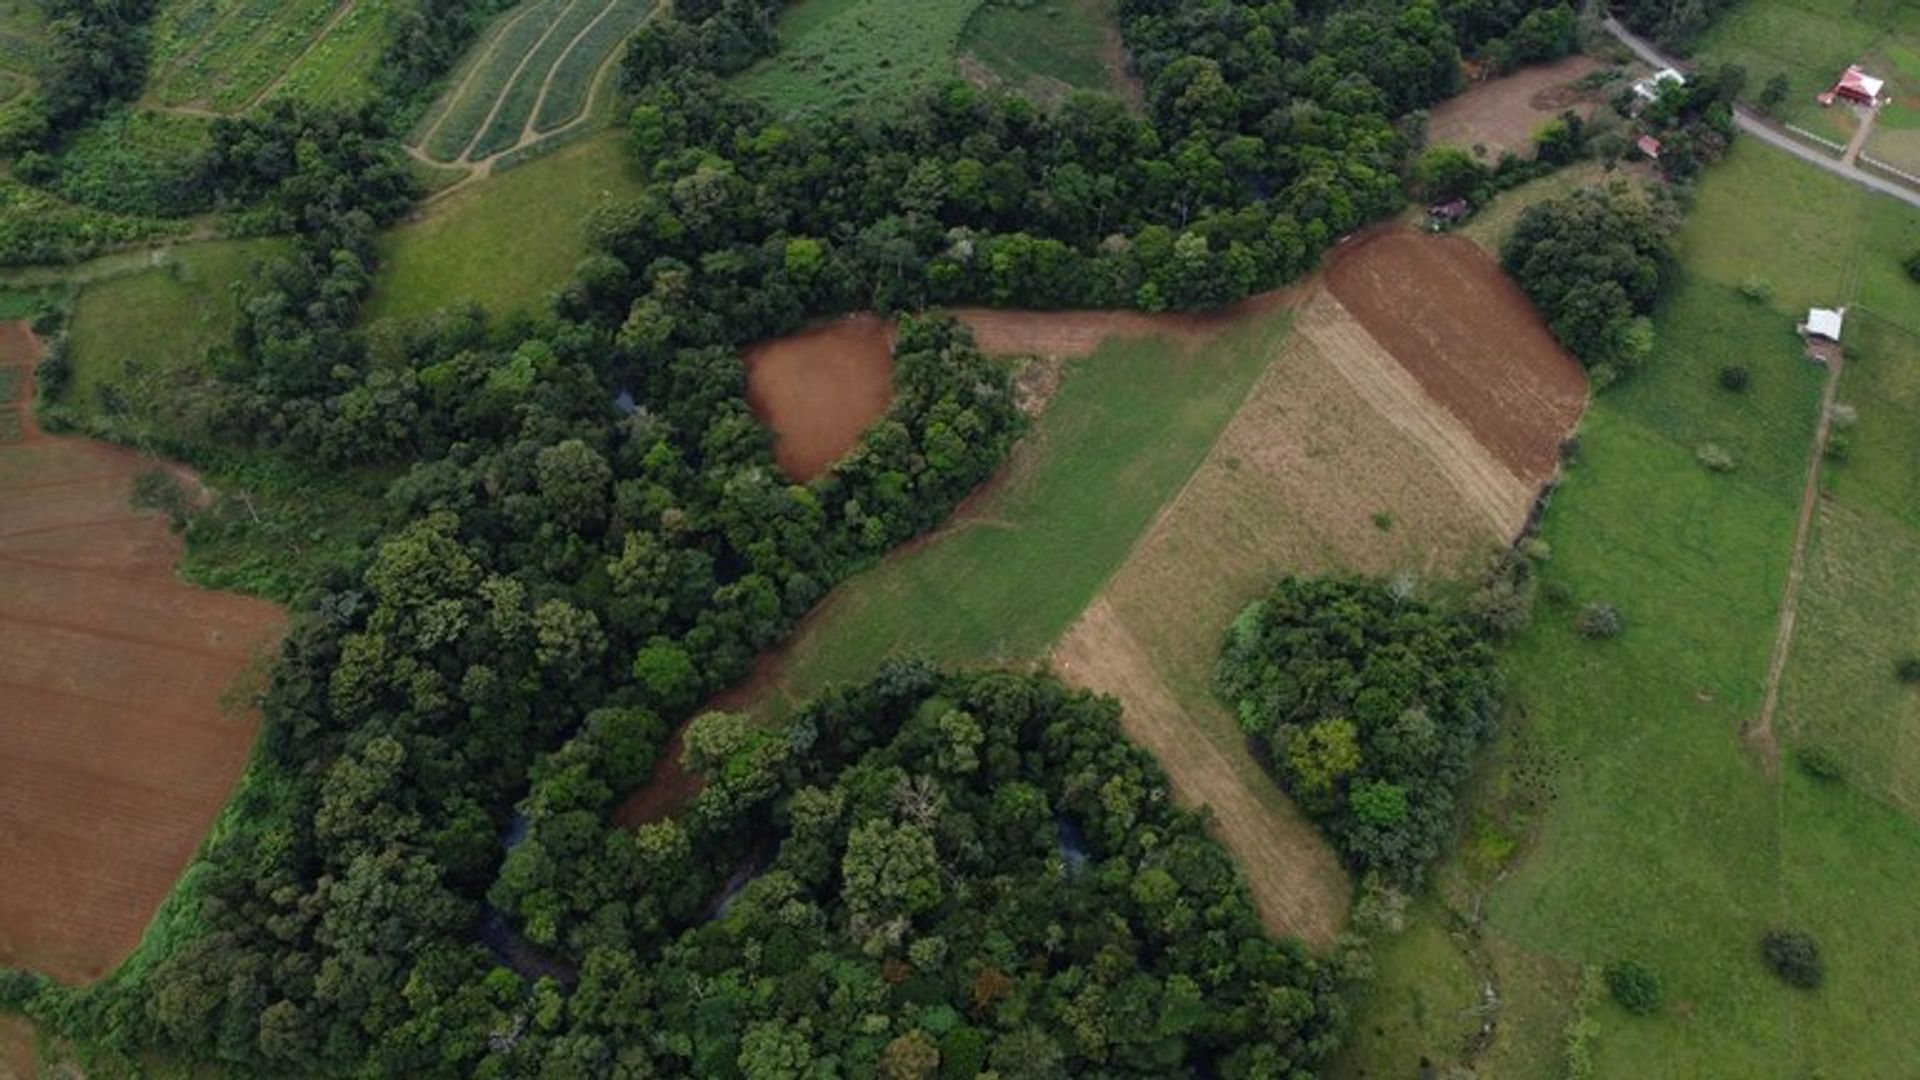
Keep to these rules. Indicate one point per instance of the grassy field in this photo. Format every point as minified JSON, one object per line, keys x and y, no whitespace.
{"x":440,"y":260}
{"x":1050,"y":47}
{"x":1624,"y":815}
{"x":847,"y":55}
{"x":22,"y":46}
{"x":1128,"y":427}
{"x":226,"y":55}
{"x":531,"y":74}
{"x":1811,"y":42}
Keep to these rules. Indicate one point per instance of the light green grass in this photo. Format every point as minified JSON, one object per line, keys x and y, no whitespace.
{"x":505,"y":241}
{"x":851,"y":55}
{"x":1128,"y":427}
{"x":1046,"y":48}
{"x":1809,"y":41}
{"x":1664,"y":838}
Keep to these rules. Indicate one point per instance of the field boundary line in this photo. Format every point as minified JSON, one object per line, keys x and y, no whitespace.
{"x":319,"y":36}
{"x":506,"y":90}
{"x":527,"y":130}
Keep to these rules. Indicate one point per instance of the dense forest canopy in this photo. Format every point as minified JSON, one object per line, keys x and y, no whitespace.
{"x":557,"y":584}
{"x":1369,"y":704}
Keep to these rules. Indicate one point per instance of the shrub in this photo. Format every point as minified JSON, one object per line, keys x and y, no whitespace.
{"x":1735,"y":378}
{"x":1714,"y":456}
{"x":1794,"y":956}
{"x":1599,"y":621}
{"x":1383,"y":520}
{"x":1634,"y":986}
{"x":1907,"y":668}
{"x":1756,"y":290}
{"x":1774,"y":92}
{"x":1821,"y":763}
{"x":1913,"y":266}
{"x":1839,"y":446}
{"x":1843,"y":416}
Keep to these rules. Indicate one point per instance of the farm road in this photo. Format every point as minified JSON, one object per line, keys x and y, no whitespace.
{"x":1761,"y":130}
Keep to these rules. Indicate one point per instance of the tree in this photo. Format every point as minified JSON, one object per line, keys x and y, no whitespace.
{"x":1634,"y":986}
{"x":1775,"y":92}
{"x":1794,"y":956}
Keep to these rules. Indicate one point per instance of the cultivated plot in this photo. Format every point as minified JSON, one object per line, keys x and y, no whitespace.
{"x":226,"y":56}
{"x":125,"y":730}
{"x":533,"y":75}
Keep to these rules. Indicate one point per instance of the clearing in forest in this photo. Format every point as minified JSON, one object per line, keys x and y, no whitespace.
{"x":819,"y":389}
{"x":124,"y":733}
{"x":23,"y":47}
{"x":1502,"y":114}
{"x":534,"y":75}
{"x":1047,"y":49}
{"x":226,"y":56}
{"x":841,"y":56}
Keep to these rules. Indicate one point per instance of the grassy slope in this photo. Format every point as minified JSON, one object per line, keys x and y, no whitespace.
{"x":224,"y":53}
{"x":843,"y":55}
{"x":1046,"y":47}
{"x":1809,"y":41}
{"x":1128,"y":427}
{"x":1664,"y":838}
{"x":505,"y":241}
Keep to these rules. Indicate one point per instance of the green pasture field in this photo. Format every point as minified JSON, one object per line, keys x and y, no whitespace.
{"x":1128,"y":427}
{"x":506,"y":241}
{"x":850,"y":55}
{"x":1622,"y":813}
{"x":1811,"y":42}
{"x":225,"y":55}
{"x":1047,"y":48}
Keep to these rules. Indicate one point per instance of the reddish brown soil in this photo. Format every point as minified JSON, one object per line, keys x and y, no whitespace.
{"x":820,"y":388}
{"x":119,"y":738}
{"x":1467,"y":333}
{"x":1503,"y":114}
{"x":1061,"y":334}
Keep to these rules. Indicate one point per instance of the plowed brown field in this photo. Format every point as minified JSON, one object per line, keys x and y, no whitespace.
{"x":1448,"y":314}
{"x":119,"y":738}
{"x":820,"y":388}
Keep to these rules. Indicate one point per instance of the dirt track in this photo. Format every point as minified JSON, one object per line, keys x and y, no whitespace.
{"x":1445,"y":310}
{"x":117,"y":742}
{"x":817,"y":390}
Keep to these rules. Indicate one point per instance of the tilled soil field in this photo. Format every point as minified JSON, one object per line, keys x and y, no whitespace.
{"x":1502,"y":114}
{"x":819,"y":389}
{"x":1448,"y":314}
{"x":121,"y":732}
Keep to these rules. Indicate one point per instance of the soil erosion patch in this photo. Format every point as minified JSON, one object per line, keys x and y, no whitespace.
{"x":817,"y":390}
{"x":1467,"y":333}
{"x":1502,"y":114}
{"x":120,"y":735}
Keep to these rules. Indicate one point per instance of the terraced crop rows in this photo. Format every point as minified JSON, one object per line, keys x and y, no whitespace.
{"x":225,"y":56}
{"x":532,"y":75}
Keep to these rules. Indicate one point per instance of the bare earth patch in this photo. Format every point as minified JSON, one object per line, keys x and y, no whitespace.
{"x":819,"y":389}
{"x":1502,"y":114}
{"x":119,"y":741}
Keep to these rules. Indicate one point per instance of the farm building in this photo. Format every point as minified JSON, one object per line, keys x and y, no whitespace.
{"x":1824,"y":323}
{"x":1649,"y":146}
{"x":1855,"y":86}
{"x":1648,"y":89}
{"x":1448,"y":212}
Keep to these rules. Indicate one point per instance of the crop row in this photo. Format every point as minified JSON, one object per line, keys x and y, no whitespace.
{"x":475,"y":95}
{"x":516,"y":106}
{"x":573,"y":79}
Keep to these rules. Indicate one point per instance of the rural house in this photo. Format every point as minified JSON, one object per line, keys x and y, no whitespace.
{"x":1822,"y":334}
{"x":1649,"y":146}
{"x":1855,"y":86}
{"x":1648,"y":89}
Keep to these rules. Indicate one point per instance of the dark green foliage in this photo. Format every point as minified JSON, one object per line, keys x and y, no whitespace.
{"x":1774,"y":92}
{"x":1734,"y":377}
{"x":97,"y":54}
{"x":159,"y":489}
{"x":1794,"y":956}
{"x":1671,"y":23}
{"x":1907,"y":668}
{"x":1821,"y":763}
{"x":1368,"y":704}
{"x":425,"y":39}
{"x":1599,"y":621}
{"x":1912,"y":265}
{"x":1634,"y":986}
{"x":1595,"y":262}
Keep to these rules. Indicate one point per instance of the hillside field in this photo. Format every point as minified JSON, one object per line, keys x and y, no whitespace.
{"x":1623,"y":814}
{"x":533,"y":73}
{"x":22,"y":46}
{"x":1048,"y":48}
{"x":225,"y":56}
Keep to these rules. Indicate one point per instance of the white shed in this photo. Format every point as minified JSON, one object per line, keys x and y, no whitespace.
{"x":1825,"y":323}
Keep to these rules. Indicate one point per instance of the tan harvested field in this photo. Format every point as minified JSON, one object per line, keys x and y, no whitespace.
{"x":1502,"y":114}
{"x":820,"y":388}
{"x":121,"y":737}
{"x":1069,"y":334}
{"x":1445,"y":310}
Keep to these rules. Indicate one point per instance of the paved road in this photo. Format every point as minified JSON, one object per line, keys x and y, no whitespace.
{"x":1759,"y":129}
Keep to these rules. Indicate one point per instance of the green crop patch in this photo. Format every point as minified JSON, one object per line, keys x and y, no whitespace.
{"x":1048,"y":48}
{"x":852,"y":55}
{"x":225,"y":56}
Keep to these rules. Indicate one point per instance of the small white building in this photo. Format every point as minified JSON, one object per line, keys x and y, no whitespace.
{"x":1824,"y":324}
{"x":1648,"y":89}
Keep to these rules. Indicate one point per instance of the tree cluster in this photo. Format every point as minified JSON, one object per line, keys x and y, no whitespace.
{"x":1674,"y":24}
{"x":96,"y":54}
{"x":1367,"y":705}
{"x":1595,"y":262}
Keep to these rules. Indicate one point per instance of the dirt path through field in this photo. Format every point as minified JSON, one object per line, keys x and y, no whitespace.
{"x":121,"y":733}
{"x":1761,"y":733}
{"x":1295,"y":879}
{"x":333,"y":22}
{"x":453,"y":94}
{"x":527,"y":131}
{"x":1852,"y":154}
{"x":466,"y":156}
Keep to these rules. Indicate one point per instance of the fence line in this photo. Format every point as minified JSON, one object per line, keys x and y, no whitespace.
{"x":1890,"y":169}
{"x":1838,"y":148}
